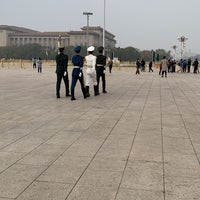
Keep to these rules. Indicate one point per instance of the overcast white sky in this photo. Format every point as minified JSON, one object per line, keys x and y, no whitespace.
{"x":144,"y":24}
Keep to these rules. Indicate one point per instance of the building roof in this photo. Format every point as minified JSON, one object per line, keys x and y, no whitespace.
{"x":17,"y":29}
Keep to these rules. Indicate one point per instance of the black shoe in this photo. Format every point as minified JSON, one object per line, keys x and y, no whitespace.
{"x":73,"y":99}
{"x":58,"y":96}
{"x":68,"y":95}
{"x":104,"y":91}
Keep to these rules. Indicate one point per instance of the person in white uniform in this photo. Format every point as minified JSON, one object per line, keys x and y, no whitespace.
{"x":90,"y":60}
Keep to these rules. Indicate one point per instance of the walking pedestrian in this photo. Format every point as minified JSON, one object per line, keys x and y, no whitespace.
{"x":110,"y":65}
{"x":101,"y":69}
{"x":61,"y":71}
{"x":77,"y":72}
{"x":164,"y":64}
{"x":138,"y":64}
{"x":150,"y":66}
{"x":91,"y":72}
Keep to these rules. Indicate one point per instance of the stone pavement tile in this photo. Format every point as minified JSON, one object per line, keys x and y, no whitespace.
{"x":8,"y":158}
{"x":67,"y":169}
{"x":194,"y":134}
{"x":43,"y":155}
{"x":172,"y":121}
{"x":107,"y":164}
{"x":131,"y":194}
{"x":143,"y":175}
{"x":142,"y":152}
{"x":25,"y":144}
{"x":113,"y":152}
{"x":150,"y":137}
{"x":64,"y":138}
{"x":15,"y":179}
{"x":177,"y":132}
{"x":179,"y":188}
{"x":177,"y":145}
{"x":122,"y":141}
{"x":100,"y":178}
{"x":92,"y":193}
{"x":197,"y":147}
{"x":85,"y":147}
{"x":46,"y":191}
{"x":180,"y":165}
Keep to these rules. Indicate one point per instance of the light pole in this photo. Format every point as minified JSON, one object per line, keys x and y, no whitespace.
{"x":174,"y":47}
{"x":104,"y":23}
{"x":87,"y":14}
{"x":182,"y":39}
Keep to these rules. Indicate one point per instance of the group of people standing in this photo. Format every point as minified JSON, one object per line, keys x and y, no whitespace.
{"x":95,"y":70}
{"x":37,"y":63}
{"x":185,"y":65}
{"x":169,"y":65}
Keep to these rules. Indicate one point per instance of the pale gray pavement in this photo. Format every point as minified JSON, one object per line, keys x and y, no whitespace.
{"x":140,"y":141}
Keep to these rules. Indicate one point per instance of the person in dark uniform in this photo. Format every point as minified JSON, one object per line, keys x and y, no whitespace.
{"x":100,"y":69}
{"x":77,"y":72}
{"x":61,"y":71}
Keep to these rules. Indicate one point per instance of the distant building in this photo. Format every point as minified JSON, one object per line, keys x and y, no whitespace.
{"x":12,"y":35}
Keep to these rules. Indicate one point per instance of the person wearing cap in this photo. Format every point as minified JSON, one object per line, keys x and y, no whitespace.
{"x":77,"y":72}
{"x":91,"y":72}
{"x":100,"y":69}
{"x":61,"y":71}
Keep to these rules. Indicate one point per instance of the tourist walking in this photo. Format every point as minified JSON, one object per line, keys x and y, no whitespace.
{"x":138,"y":65}
{"x":196,"y":64}
{"x":164,"y":63}
{"x":39,"y":65}
{"x":150,"y":66}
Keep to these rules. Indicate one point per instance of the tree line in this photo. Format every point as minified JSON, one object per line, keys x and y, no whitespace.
{"x":30,"y":51}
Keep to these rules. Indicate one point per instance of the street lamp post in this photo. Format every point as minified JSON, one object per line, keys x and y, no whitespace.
{"x":182,"y":39}
{"x":104,"y":23}
{"x":87,"y":14}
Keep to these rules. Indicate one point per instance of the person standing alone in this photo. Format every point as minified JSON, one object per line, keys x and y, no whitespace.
{"x":164,"y":64}
{"x":39,"y":65}
{"x":61,"y":71}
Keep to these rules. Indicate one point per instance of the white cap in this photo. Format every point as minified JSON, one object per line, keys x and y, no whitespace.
{"x":91,"y":48}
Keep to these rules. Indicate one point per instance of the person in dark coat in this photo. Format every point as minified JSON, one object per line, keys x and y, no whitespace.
{"x":150,"y":66}
{"x":61,"y":71}
{"x":77,"y":72}
{"x":100,"y":69}
{"x":195,"y":64}
{"x":138,"y":65}
{"x":189,"y":64}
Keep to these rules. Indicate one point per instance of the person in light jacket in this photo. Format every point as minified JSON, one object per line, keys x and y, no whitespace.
{"x":164,"y":63}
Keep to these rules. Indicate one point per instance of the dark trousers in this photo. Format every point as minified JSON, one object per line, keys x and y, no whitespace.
{"x":137,"y":70}
{"x":103,"y":78}
{"x":34,"y":65}
{"x":188,"y":68}
{"x":40,"y":69}
{"x":58,"y":83}
{"x":164,"y":72}
{"x":110,"y":68}
{"x":75,"y":78}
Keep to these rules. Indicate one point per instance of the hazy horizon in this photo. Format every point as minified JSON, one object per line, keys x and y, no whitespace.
{"x":143,"y":24}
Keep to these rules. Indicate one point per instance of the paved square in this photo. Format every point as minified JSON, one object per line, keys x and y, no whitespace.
{"x":140,"y":141}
